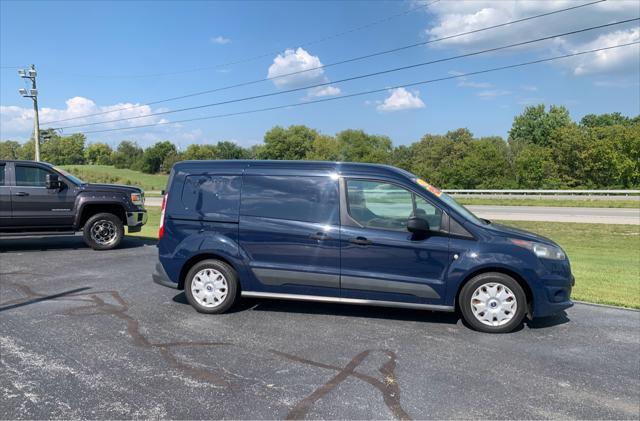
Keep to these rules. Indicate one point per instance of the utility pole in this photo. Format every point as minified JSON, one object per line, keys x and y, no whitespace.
{"x":33,"y":94}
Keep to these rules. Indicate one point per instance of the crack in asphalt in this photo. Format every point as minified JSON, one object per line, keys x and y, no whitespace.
{"x":389,"y":387}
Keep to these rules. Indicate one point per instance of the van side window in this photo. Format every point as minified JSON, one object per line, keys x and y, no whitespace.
{"x":27,"y":176}
{"x":307,"y":199}
{"x":2,"y":174}
{"x":212,"y":196}
{"x":381,"y":205}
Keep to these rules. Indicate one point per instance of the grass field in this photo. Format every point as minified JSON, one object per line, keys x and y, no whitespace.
{"x":605,"y":259}
{"x":108,"y":174}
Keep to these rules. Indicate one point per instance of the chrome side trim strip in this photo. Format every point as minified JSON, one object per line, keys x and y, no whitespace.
{"x":356,"y":301}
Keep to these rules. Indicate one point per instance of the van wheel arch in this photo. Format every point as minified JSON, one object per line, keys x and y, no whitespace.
{"x":519,"y":279}
{"x":198,"y":258}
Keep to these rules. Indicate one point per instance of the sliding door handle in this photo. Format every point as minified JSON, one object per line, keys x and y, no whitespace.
{"x":361,"y":241}
{"x":21,"y":193}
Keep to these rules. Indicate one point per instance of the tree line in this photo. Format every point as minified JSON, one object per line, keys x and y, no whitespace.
{"x":545,"y":149}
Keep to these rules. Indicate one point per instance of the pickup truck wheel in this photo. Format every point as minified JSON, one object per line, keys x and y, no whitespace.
{"x":103,"y":231}
{"x":211,"y":286}
{"x":493,"y":303}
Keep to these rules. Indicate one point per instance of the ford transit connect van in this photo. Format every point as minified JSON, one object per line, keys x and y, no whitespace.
{"x":348,"y":233}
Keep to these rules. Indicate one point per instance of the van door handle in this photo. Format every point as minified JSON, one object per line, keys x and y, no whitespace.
{"x":361,"y":241}
{"x":321,"y":236}
{"x":21,"y":193}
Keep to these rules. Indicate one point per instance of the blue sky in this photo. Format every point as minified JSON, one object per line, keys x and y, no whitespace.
{"x":97,"y":56}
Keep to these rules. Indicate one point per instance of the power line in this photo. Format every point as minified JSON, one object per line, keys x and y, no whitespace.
{"x":350,"y":60}
{"x":267,"y":54}
{"x":407,"y":85}
{"x":317,"y":85}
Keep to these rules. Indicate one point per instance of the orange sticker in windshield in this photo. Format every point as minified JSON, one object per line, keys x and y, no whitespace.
{"x":429,"y":187}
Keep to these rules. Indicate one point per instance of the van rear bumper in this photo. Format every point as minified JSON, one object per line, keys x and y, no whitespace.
{"x":160,"y":277}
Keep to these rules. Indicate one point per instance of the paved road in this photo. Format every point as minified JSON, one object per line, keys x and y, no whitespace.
{"x":86,"y":334}
{"x":559,"y":214}
{"x":538,"y":213}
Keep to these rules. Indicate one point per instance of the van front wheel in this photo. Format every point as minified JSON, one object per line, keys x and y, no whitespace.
{"x":493,"y":303}
{"x":211,"y":286}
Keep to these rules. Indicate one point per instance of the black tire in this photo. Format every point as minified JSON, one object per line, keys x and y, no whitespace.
{"x":467,"y":310}
{"x":230,"y":277}
{"x":114,"y":225}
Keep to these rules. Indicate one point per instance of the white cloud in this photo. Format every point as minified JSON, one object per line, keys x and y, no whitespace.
{"x":17,"y":122}
{"x":454,"y":17}
{"x":322,"y":91}
{"x":299,"y":60}
{"x":493,"y":93}
{"x":220,"y":40}
{"x":292,"y":61}
{"x":608,"y":61}
{"x":401,"y":99}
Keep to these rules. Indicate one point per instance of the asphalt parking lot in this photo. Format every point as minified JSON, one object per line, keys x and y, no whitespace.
{"x":86,"y":334}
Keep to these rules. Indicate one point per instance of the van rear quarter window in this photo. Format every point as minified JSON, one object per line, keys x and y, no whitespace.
{"x":212,"y":196}
{"x":307,"y":199}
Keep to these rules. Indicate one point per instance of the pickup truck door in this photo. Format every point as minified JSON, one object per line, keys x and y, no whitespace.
{"x":5,"y":196}
{"x":35,"y":206}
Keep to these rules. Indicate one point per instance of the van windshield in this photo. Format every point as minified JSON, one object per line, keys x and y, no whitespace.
{"x":466,"y":213}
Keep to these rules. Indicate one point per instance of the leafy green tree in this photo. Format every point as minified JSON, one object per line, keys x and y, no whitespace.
{"x":128,"y":155}
{"x":536,"y":125}
{"x":604,"y":120}
{"x":358,"y":146}
{"x":9,"y":149}
{"x":324,"y":148}
{"x":64,"y":150}
{"x":230,"y":150}
{"x":402,"y":157}
{"x":485,"y":165}
{"x":536,"y":168}
{"x":170,"y":160}
{"x":98,"y":154}
{"x":200,"y":152}
{"x":292,"y":143}
{"x":154,"y":156}
{"x":436,"y":158}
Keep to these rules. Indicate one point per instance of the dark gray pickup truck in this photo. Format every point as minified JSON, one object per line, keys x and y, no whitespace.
{"x":37,"y":198}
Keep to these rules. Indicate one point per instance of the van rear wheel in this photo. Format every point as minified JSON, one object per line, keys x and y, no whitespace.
{"x":211,"y":286}
{"x":493,"y":302}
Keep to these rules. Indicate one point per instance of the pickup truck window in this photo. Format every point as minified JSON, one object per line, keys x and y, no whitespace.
{"x":27,"y":176}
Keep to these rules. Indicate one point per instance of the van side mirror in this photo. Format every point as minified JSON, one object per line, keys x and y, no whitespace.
{"x":417,"y":225}
{"x":53,"y":182}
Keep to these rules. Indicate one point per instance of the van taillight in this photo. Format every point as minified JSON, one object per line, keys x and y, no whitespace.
{"x":164,"y":207}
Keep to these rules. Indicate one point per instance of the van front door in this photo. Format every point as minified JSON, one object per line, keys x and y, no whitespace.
{"x":380,"y":258}
{"x":289,"y":230}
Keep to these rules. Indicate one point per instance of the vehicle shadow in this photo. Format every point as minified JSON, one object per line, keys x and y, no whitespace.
{"x":336,"y":309}
{"x":387,"y":313}
{"x":72,"y":242}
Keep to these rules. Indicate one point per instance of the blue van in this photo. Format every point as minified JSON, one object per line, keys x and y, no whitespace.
{"x":348,"y":233}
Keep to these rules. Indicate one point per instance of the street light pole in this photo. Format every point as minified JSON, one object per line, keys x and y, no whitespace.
{"x":33,"y":94}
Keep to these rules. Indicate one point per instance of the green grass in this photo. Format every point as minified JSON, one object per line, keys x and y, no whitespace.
{"x":109,"y":174}
{"x":605,"y":259}
{"x":581,"y":203}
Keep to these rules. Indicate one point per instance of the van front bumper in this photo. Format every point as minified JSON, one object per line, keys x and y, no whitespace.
{"x":554,"y":296}
{"x":160,"y":277}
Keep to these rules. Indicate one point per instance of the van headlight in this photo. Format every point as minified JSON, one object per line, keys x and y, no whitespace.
{"x":543,"y":251}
